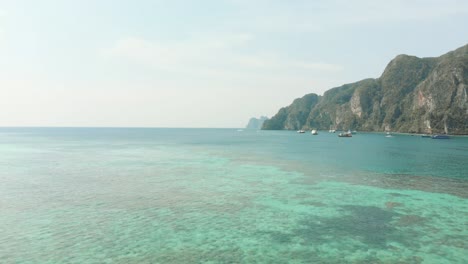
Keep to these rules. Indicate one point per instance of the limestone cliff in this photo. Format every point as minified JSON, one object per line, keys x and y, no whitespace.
{"x":256,"y":123}
{"x":416,"y":95}
{"x":294,"y":116}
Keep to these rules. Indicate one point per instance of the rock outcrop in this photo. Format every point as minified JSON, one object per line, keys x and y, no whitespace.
{"x":294,"y":116}
{"x":415,"y":95}
{"x":256,"y":123}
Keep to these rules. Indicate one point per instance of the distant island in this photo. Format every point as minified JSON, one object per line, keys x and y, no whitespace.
{"x":413,"y":95}
{"x":256,"y":123}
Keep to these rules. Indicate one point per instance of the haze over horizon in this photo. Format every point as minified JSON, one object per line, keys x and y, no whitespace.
{"x":201,"y":63}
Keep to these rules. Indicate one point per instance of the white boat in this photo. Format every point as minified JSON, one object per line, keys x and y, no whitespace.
{"x":314,"y":132}
{"x":301,"y":131}
{"x":389,"y":135}
{"x":345,"y":134}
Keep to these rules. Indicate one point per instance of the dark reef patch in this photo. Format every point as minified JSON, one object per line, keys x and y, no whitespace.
{"x":370,"y":225}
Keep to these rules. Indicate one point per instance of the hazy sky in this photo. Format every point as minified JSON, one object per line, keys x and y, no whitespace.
{"x":201,"y":63}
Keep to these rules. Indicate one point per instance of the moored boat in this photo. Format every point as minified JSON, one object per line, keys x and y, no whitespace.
{"x":301,"y":131}
{"x":314,"y":132}
{"x":345,"y":134}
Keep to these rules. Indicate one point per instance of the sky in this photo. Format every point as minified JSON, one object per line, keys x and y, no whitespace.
{"x":201,"y":63}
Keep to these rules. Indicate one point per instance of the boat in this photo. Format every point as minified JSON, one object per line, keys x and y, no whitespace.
{"x":345,"y":134}
{"x":389,"y":135}
{"x":301,"y":131}
{"x":314,"y":132}
{"x":440,"y":137}
{"x":331,"y":130}
{"x":425,"y":136}
{"x":354,"y":132}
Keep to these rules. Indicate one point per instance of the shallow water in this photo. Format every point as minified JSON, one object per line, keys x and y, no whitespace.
{"x":87,"y":195}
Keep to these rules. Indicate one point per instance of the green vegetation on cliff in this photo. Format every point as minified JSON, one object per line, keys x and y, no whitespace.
{"x":293,"y":116}
{"x":415,"y":95}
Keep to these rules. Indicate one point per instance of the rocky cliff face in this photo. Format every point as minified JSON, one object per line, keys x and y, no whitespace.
{"x":294,"y":116}
{"x":256,"y":123}
{"x":415,"y":95}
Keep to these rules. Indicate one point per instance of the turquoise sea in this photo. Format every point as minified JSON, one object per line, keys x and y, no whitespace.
{"x":121,"y":195}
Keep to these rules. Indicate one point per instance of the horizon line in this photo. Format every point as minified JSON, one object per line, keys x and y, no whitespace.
{"x":138,"y":127}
